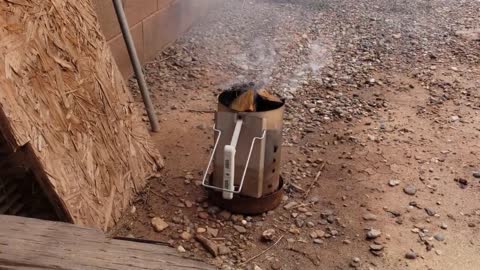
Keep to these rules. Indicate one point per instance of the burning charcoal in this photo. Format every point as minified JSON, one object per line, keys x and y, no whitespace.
{"x":248,"y":98}
{"x":262,"y":93}
{"x":245,"y":102}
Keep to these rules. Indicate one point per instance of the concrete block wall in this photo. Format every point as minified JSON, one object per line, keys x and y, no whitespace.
{"x":153,"y":24}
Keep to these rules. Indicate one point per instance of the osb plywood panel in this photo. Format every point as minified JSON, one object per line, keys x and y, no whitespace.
{"x":62,"y":94}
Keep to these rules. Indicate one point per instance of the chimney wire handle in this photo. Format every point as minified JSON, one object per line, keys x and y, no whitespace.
{"x":205,"y":174}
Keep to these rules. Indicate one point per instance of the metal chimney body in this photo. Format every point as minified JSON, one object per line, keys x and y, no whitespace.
{"x":254,"y":162}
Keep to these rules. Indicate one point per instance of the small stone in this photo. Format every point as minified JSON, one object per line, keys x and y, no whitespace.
{"x":438,"y":252}
{"x":439,"y":237}
{"x":268,"y":234}
{"x":313,"y":235}
{"x":394,"y":182}
{"x":463,"y":182}
{"x":225,"y":215}
{"x":326,"y":213}
{"x":314,"y":199}
{"x":471,"y":224}
{"x":181,"y":249}
{"x":201,"y":230}
{"x":320,"y":233}
{"x":476,"y":174}
{"x":347,"y":242}
{"x":310,"y":224}
{"x":240,"y":229}
{"x":256,"y":267}
{"x":331,"y":219}
{"x":299,"y":222}
{"x":202,"y":126}
{"x":430,"y":212}
{"x":223,"y":250}
{"x":159,"y":224}
{"x":290,"y":205}
{"x":203,"y":215}
{"x":323,"y":222}
{"x":373,"y":234}
{"x":444,"y":226}
{"x":188,"y":203}
{"x":369,"y":217}
{"x":410,"y":190}
{"x":375,"y":247}
{"x":411,"y":255}
{"x":212,"y":232}
{"x":186,"y":236}
{"x":318,"y":241}
{"x":355,"y":263}
{"x":294,"y":230}
{"x":302,"y":210}
{"x":276,"y":266}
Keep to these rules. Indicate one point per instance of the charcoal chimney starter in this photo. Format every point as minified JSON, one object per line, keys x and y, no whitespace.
{"x":246,"y":155}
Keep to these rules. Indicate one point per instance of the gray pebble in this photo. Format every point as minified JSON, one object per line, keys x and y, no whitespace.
{"x":410,"y":190}
{"x":373,"y":233}
{"x":430,"y":211}
{"x":411,"y":255}
{"x":439,"y":237}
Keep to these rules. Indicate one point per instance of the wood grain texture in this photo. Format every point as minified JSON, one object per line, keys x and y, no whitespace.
{"x":34,"y":244}
{"x":63,"y":95}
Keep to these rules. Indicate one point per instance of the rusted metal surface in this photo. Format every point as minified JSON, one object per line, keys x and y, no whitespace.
{"x":249,"y":205}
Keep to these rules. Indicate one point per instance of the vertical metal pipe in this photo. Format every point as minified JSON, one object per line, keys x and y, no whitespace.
{"x":137,"y":68}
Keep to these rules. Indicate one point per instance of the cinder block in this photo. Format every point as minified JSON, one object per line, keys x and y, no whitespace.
{"x":107,"y":18}
{"x":160,"y":29}
{"x":120,"y":52}
{"x":164,"y":4}
{"x":137,"y":10}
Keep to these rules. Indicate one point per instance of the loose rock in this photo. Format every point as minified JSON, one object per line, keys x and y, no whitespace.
{"x":268,"y":235}
{"x":373,"y":234}
{"x":369,"y":217}
{"x":159,"y":224}
{"x":410,"y":190}
{"x":411,"y":255}
{"x":186,"y":236}
{"x":240,"y":229}
{"x":394,"y":182}
{"x":290,"y":205}
{"x":439,"y":237}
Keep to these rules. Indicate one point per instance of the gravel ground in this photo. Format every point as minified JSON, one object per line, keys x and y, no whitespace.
{"x":384,"y":93}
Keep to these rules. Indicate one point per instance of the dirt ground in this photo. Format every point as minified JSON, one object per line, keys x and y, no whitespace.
{"x":384,"y":93}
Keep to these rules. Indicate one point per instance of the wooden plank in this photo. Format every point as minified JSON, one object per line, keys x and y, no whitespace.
{"x":36,"y":244}
{"x":63,"y":99}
